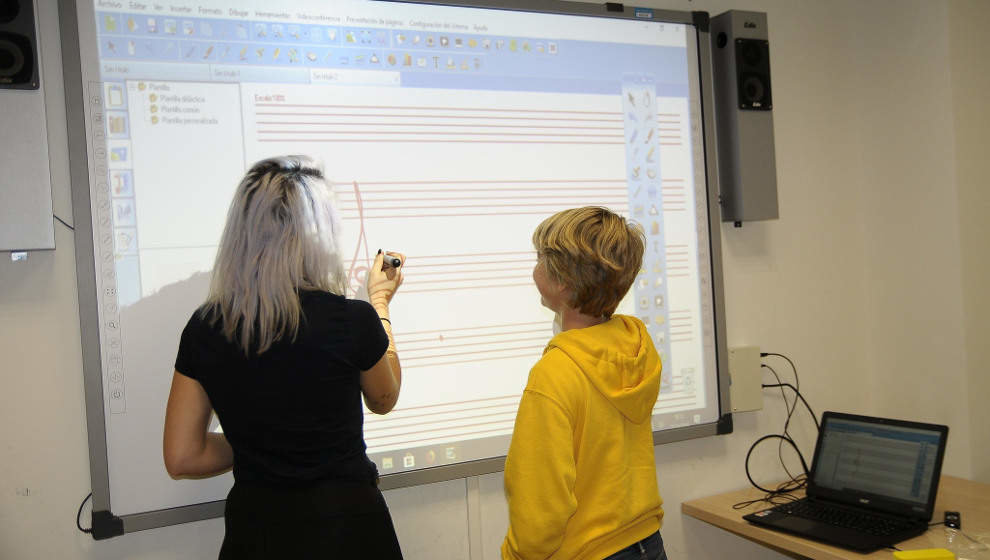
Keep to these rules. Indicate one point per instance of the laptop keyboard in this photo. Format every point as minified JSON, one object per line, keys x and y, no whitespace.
{"x":860,"y":521}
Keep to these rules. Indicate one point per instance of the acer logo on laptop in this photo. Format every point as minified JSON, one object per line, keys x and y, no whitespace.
{"x":864,"y":500}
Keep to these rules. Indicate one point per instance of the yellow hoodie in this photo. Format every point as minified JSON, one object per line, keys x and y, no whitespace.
{"x":580,"y":477}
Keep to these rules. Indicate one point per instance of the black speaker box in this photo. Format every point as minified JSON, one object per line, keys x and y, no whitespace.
{"x":18,"y":45}
{"x":744,"y":116}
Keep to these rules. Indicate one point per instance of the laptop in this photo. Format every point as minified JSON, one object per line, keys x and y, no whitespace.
{"x":872,"y":483}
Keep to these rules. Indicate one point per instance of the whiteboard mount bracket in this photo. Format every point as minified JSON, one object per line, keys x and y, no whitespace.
{"x":106,"y":525}
{"x":724,"y":425}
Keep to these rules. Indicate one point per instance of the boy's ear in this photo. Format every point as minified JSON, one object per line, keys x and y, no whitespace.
{"x":564,"y":293}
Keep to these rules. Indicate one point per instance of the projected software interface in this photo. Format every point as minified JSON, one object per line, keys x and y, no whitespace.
{"x":449,"y":134}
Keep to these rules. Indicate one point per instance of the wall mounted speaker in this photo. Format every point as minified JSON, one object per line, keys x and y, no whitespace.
{"x":744,"y":116}
{"x":18,"y":45}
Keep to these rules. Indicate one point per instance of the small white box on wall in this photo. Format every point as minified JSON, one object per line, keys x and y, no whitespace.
{"x":746,"y":390}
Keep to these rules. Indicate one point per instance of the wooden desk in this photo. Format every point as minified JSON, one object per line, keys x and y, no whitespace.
{"x":970,"y":499}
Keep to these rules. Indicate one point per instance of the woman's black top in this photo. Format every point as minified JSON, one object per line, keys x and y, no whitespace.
{"x":293,"y":414}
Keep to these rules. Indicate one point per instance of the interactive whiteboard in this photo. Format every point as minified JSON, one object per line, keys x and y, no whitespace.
{"x":449,"y":133}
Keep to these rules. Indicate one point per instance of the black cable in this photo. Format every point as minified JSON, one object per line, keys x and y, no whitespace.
{"x":779,"y":494}
{"x":63,"y":222}
{"x":79,"y":514}
{"x":790,"y":411}
{"x":797,"y":381}
{"x":774,"y":436}
{"x":806,"y":405}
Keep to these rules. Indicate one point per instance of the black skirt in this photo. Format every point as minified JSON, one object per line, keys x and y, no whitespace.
{"x":328,"y":520}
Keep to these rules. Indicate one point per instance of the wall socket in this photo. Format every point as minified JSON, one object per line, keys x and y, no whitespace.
{"x":745,"y":372}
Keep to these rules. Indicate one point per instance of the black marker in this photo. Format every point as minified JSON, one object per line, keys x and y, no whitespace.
{"x":394,"y":262}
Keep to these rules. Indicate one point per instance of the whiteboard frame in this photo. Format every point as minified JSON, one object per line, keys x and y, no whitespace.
{"x":104,"y":523}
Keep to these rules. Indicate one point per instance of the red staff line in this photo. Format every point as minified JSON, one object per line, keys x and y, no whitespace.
{"x":441,"y":108}
{"x":438,"y":439}
{"x":473,"y":181}
{"x":452,"y":288}
{"x":458,"y":402}
{"x":469,"y":270}
{"x":495,"y":253}
{"x":455,"y":206}
{"x":474,"y":279}
{"x":383,"y":205}
{"x":513,"y":349}
{"x":497,"y":189}
{"x":382,"y":140}
{"x":455,"y":337}
{"x":390,"y":418}
{"x":412,"y":265}
{"x":472,"y":117}
{"x":431,"y":270}
{"x":459,"y":215}
{"x":490,"y":197}
{"x":406,"y":349}
{"x":471,"y":125}
{"x":479,"y":328}
{"x":439,"y":132}
{"x":377,"y":430}
{"x":485,"y":201}
{"x":468,"y":361}
{"x":434,"y":430}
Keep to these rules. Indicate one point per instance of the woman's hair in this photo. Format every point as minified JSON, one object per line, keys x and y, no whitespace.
{"x":593,"y":252}
{"x":281,"y":236}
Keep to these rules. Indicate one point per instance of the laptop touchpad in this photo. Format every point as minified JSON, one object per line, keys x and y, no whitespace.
{"x":796,"y":523}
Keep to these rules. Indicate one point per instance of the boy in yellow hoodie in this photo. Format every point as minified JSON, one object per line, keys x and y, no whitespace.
{"x":579,"y":477}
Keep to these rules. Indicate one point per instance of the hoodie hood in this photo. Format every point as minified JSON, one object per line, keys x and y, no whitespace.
{"x":620,"y":361}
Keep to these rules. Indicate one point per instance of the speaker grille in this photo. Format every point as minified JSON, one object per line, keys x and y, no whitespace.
{"x":18,"y":51}
{"x":753,"y":74}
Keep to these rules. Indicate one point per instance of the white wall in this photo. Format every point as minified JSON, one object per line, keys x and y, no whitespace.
{"x":872,"y":281}
{"x":968,"y":24}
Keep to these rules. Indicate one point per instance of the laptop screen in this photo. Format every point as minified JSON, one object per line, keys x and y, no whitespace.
{"x":879,"y":460}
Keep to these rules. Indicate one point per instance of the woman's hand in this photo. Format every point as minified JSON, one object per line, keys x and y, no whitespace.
{"x":384,"y":281}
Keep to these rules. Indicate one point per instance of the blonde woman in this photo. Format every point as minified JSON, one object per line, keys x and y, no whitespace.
{"x":579,"y":476}
{"x":283,"y":357}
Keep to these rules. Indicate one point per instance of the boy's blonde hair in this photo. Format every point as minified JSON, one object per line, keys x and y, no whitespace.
{"x":593,"y":252}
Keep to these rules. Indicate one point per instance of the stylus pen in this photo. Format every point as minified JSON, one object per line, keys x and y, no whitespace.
{"x":390,"y":261}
